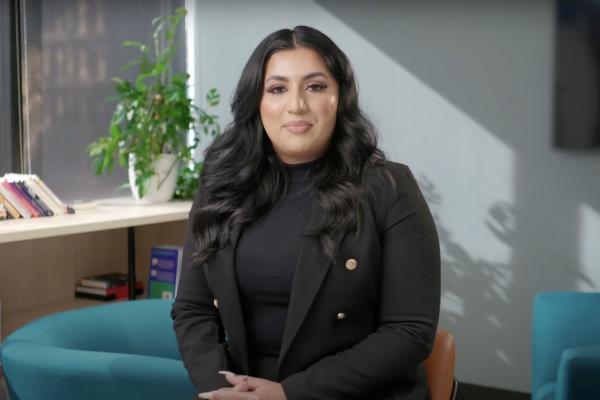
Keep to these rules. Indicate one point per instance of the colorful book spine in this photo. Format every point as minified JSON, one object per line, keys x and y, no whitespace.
{"x":34,"y":195}
{"x":31,"y":199}
{"x":50,"y":193}
{"x":36,"y":199}
{"x":13,"y":199}
{"x":47,"y":199}
{"x":12,"y":211}
{"x":23,"y":198}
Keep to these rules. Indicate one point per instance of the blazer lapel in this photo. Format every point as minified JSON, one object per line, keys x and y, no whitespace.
{"x":226,"y":289}
{"x":311,"y":268}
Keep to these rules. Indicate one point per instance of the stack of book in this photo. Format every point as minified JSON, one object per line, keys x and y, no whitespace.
{"x":109,"y":286}
{"x":27,"y":196}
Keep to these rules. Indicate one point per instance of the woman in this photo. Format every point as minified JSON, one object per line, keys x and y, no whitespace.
{"x":311,"y":263}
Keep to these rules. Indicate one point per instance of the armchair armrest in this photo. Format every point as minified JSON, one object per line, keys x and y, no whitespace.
{"x":578,"y":373}
{"x":37,"y":371}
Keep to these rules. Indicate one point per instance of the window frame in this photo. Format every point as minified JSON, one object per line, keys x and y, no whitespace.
{"x":15,"y":113}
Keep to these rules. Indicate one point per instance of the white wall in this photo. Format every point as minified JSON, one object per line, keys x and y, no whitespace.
{"x":461,"y":91}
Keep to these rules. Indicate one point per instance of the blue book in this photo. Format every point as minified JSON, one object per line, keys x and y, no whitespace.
{"x":165,"y":267}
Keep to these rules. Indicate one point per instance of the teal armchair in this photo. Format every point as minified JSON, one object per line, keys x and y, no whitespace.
{"x":566,"y":346}
{"x":124,"y":350}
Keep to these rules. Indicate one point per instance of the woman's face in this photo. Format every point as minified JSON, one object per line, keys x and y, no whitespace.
{"x":299,"y":104}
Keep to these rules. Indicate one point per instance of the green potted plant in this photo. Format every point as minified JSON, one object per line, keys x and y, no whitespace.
{"x":149,"y":128}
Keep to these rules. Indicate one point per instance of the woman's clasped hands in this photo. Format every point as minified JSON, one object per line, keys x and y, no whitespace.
{"x":246,"y":388}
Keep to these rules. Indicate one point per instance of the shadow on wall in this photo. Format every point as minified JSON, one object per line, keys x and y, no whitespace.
{"x":477,"y":294}
{"x":493,"y":62}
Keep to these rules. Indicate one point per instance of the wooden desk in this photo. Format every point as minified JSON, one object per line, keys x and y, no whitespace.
{"x":99,"y":229}
{"x":109,"y":214}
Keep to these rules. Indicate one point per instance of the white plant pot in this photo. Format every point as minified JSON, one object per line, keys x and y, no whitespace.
{"x":161,"y":186}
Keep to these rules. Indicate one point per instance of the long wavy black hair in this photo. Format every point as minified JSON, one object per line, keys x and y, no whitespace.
{"x":243,"y":177}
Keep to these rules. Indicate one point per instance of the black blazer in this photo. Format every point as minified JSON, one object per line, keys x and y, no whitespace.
{"x":356,"y":328}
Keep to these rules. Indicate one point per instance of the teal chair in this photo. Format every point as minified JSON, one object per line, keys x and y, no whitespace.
{"x":124,"y":350}
{"x":566,"y":346}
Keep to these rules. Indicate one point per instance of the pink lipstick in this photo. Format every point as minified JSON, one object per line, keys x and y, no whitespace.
{"x":298,"y":126}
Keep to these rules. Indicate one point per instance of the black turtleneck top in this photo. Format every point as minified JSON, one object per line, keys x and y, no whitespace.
{"x":265,"y":261}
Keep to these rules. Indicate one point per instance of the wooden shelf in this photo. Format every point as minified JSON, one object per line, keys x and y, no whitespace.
{"x":109,"y":214}
{"x":36,"y":276}
{"x":12,"y":321}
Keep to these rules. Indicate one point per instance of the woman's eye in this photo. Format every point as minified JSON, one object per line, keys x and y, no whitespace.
{"x":276,"y":89}
{"x":317,"y":87}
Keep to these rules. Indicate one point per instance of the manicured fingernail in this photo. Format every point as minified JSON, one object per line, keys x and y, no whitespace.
{"x":228,"y":373}
{"x":205,"y":395}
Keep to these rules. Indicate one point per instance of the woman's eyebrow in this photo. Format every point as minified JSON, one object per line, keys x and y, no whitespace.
{"x":313,"y":75}
{"x":304,"y":78}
